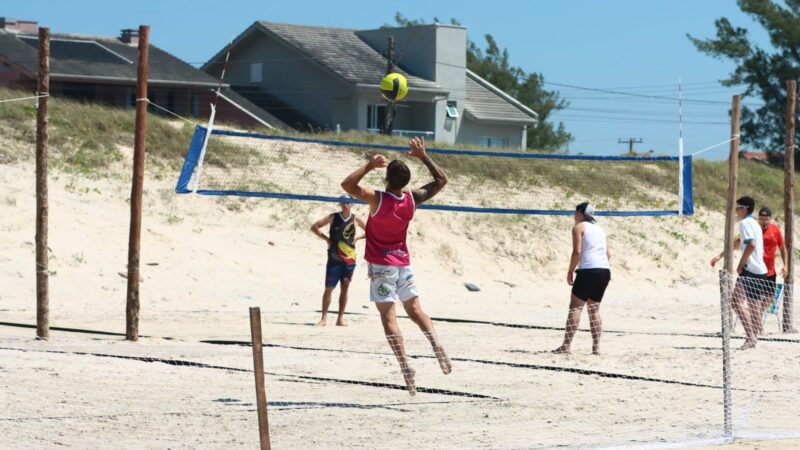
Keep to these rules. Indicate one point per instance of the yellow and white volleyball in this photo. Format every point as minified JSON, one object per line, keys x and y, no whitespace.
{"x":394,"y":87}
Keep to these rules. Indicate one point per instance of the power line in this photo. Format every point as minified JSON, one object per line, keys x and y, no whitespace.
{"x":649,"y":112}
{"x":633,"y":94}
{"x":559,"y":116}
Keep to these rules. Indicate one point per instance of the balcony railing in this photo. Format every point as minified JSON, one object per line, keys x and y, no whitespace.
{"x":407,"y":133}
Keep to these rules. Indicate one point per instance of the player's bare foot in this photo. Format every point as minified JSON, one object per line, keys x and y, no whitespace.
{"x":596,"y":352}
{"x":748,"y":344}
{"x":408,"y":376}
{"x":341,"y":323}
{"x":444,"y":360}
{"x":322,"y":323}
{"x":563,"y":350}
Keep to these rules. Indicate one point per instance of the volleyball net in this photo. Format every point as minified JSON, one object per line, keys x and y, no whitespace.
{"x":235,"y":163}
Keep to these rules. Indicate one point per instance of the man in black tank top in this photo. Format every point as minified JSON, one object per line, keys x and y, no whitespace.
{"x":341,"y":240}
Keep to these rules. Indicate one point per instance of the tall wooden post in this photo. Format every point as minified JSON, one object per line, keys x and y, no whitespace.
{"x":132,"y":302}
{"x":733,"y":178}
{"x":730,"y":204}
{"x":42,"y":275}
{"x":788,"y":204}
{"x":258,"y":369}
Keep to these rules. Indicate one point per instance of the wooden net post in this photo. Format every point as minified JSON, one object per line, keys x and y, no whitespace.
{"x":258,"y":369}
{"x":788,"y":204}
{"x":733,"y":178}
{"x":42,"y":253}
{"x":137,"y":188}
{"x":730,"y":204}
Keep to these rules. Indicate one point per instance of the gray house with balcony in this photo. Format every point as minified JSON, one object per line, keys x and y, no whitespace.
{"x":327,"y":78}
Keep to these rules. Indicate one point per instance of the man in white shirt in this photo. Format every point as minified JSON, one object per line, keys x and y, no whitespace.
{"x":751,"y":285}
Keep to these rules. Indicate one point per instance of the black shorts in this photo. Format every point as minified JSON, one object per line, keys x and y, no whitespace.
{"x":591,"y":284}
{"x":772,"y":284}
{"x":756,"y":287}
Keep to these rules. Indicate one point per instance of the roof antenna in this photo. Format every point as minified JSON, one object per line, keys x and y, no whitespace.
{"x":388,"y":120}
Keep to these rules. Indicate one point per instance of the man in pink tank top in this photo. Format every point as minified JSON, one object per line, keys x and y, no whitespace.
{"x":391,"y":277}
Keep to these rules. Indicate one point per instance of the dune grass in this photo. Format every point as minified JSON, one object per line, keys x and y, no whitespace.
{"x":759,"y":180}
{"x":85,"y":137}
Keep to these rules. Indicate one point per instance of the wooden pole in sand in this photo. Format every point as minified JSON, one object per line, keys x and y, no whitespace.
{"x":788,"y":204}
{"x":730,"y":205}
{"x":258,"y":369}
{"x":733,"y":178}
{"x":42,"y":275}
{"x":134,"y":240}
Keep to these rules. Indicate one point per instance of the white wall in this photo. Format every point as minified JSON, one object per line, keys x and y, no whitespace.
{"x":471,"y":132}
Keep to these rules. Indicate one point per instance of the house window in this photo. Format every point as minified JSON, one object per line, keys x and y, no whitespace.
{"x":256,"y":71}
{"x":452,"y":110}
{"x":493,"y":142}
{"x":376,"y":115}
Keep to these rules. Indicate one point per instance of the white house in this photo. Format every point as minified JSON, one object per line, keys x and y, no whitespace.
{"x":328,"y":78}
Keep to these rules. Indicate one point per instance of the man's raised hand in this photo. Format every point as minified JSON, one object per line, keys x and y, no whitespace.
{"x":417,"y":145}
{"x":377,"y":161}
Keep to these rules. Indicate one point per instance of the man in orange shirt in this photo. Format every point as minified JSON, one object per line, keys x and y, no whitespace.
{"x":773,"y":241}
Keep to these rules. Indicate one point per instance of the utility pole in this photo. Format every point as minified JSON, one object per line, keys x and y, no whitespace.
{"x":630,"y":142}
{"x":388,"y":119}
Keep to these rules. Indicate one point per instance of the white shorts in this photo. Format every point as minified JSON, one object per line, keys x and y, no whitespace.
{"x":391,"y":283}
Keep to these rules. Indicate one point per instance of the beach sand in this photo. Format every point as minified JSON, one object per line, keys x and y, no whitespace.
{"x":206,"y":260}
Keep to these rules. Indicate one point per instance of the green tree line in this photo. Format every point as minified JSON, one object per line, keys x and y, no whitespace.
{"x":761,"y":70}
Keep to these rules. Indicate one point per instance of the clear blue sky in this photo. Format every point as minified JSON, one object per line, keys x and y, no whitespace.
{"x":629,"y":45}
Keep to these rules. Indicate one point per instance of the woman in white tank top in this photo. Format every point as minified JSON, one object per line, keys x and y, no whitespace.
{"x":590,"y":255}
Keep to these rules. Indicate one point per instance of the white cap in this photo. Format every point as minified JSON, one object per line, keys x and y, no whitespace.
{"x":589,"y":210}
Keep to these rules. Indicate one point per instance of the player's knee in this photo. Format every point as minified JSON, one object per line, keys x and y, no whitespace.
{"x":416,"y":315}
{"x":389,"y":327}
{"x":387,"y":316}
